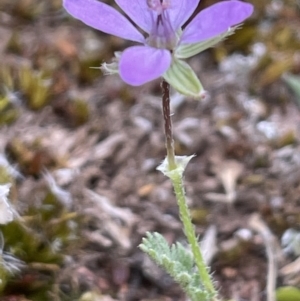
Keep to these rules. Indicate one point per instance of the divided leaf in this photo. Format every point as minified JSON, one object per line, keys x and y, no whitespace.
{"x":177,"y":261}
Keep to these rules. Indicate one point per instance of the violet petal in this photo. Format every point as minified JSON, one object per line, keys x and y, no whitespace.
{"x":216,"y":20}
{"x":104,"y":18}
{"x":138,"y":11}
{"x":180,"y":11}
{"x":141,"y":64}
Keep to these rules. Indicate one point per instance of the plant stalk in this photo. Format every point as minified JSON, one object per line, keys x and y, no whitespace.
{"x":177,"y":182}
{"x":168,"y":125}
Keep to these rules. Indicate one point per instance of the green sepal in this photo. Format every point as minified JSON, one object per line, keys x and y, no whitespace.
{"x":188,"y":50}
{"x":182,"y":77}
{"x":113,"y":67}
{"x":109,"y":69}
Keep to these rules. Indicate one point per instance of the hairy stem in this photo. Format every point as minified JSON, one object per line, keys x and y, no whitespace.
{"x":177,"y":181}
{"x":190,"y":234}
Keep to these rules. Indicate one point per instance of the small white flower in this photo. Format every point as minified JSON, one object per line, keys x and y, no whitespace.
{"x":6,"y":211}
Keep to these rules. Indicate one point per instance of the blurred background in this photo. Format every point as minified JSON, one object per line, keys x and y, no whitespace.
{"x":80,"y":151}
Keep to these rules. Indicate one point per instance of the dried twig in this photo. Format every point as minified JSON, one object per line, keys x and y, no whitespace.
{"x":258,"y":225}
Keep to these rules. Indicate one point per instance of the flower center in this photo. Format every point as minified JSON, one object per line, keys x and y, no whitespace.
{"x":162,"y":34}
{"x":158,"y":5}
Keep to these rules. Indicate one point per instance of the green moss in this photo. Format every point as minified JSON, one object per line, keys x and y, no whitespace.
{"x":288,"y":293}
{"x":14,"y":45}
{"x":79,"y":111}
{"x":8,"y":113}
{"x":40,"y":238}
{"x":34,"y":87}
{"x":30,"y":157}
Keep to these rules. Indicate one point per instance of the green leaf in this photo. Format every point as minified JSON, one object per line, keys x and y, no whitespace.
{"x":182,"y":77}
{"x":178,"y":262}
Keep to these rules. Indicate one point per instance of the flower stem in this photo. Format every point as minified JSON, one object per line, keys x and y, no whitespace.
{"x":168,"y":125}
{"x":176,"y":177}
{"x":190,"y":234}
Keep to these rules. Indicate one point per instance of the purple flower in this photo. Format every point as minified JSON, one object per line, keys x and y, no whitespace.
{"x":164,"y":43}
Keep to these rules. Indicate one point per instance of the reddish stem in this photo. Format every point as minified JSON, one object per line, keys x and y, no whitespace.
{"x":168,"y":125}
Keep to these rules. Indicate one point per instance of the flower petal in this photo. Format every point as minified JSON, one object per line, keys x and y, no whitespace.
{"x":215,"y":20}
{"x":138,"y":11}
{"x":180,"y":11}
{"x":104,"y":18}
{"x":141,"y":64}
